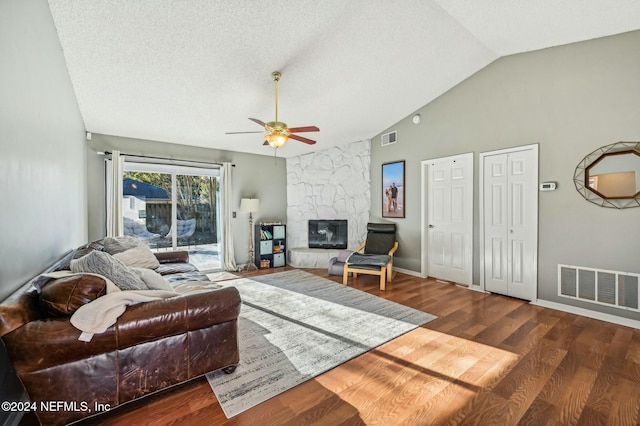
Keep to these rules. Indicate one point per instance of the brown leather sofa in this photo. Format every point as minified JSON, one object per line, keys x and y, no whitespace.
{"x":152,"y":346}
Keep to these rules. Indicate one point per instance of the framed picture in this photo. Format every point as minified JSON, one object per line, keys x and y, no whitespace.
{"x":393,"y":189}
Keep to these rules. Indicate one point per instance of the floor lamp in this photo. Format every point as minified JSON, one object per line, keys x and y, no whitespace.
{"x":251,"y":205}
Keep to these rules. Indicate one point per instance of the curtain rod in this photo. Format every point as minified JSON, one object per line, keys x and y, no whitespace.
{"x":164,"y":158}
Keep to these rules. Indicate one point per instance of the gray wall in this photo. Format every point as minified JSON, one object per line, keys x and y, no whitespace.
{"x":42,"y":150}
{"x":42,"y":158}
{"x":570,"y":100}
{"x":255,"y":176}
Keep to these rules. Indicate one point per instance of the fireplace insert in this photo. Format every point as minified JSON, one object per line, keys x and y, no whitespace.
{"x":328,"y":234}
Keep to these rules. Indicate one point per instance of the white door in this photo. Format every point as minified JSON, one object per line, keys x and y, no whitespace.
{"x":450,"y":218}
{"x":510,"y":217}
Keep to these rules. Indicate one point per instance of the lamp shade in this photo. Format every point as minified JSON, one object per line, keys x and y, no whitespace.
{"x":250,"y":205}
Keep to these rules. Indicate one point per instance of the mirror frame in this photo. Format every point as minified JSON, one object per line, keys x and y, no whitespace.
{"x":581,"y":176}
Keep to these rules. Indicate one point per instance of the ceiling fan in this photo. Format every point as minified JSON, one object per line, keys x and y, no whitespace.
{"x":277,"y":132}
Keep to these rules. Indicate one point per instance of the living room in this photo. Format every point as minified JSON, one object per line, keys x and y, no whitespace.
{"x":569,"y":100}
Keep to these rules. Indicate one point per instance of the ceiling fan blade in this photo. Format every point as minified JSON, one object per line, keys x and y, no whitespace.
{"x":240,"y":133}
{"x":304,"y":129}
{"x":302,"y":139}
{"x":255,"y":120}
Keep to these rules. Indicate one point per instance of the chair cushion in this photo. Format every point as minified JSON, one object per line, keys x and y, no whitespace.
{"x":63,"y":296}
{"x":378,"y":243}
{"x":388,"y":228}
{"x":379,"y":260}
{"x":185,"y":228}
{"x":380,"y":238}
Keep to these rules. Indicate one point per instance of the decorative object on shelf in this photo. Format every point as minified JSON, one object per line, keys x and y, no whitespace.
{"x":610,"y":176}
{"x":393,"y":189}
{"x":277,"y":132}
{"x":251,"y":205}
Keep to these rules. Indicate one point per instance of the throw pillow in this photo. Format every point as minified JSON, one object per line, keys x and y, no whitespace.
{"x":63,"y":296}
{"x":139,"y":257}
{"x":113,"y":245}
{"x":102,"y":263}
{"x":78,"y":253}
{"x":152,"y":279}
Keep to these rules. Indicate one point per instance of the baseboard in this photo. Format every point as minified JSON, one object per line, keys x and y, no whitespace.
{"x":627,"y":322}
{"x":408,"y":272}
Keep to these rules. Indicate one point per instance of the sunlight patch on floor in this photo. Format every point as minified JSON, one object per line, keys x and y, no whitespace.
{"x":421,"y":367}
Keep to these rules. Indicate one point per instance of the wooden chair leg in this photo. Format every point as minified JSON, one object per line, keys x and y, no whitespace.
{"x":345,"y":274}
{"x":383,"y":276}
{"x":389,"y":273}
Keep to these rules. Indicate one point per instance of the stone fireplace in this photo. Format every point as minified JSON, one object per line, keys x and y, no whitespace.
{"x":330,"y":184}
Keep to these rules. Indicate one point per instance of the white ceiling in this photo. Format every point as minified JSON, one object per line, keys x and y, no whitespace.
{"x":187,"y":71}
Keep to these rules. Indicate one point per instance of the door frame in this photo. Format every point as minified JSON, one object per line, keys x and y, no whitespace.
{"x":481,"y":157}
{"x":174,"y":170}
{"x":424,"y":242}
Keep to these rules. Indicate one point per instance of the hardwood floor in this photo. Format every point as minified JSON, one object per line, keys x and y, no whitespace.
{"x":486,"y":360}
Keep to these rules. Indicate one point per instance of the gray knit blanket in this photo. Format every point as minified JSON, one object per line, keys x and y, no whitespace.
{"x":368,"y":259}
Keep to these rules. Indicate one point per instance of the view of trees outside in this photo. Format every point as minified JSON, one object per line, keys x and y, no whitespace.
{"x":196,"y":198}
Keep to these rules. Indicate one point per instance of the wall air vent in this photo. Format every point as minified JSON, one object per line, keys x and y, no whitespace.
{"x":610,"y":288}
{"x":389,"y":138}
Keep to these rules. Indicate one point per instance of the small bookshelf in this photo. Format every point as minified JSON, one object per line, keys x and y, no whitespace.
{"x":270,"y":246}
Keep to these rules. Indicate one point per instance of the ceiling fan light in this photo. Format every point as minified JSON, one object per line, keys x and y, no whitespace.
{"x":276,"y":140}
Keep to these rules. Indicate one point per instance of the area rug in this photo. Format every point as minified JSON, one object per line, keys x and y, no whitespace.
{"x":294,"y":326}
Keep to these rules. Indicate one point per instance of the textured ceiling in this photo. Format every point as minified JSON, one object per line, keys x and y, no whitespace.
{"x":187,"y":71}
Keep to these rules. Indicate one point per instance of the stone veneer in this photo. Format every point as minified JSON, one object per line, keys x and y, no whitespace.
{"x":330,"y":184}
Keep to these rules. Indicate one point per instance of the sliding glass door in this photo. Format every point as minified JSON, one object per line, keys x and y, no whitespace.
{"x":174,"y":208}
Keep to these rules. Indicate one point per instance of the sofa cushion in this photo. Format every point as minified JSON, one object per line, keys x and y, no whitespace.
{"x":63,"y":296}
{"x":113,"y":245}
{"x":104,"y":264}
{"x":139,"y":257}
{"x":176,"y":268}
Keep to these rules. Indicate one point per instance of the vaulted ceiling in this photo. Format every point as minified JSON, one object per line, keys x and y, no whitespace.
{"x":188,"y":71}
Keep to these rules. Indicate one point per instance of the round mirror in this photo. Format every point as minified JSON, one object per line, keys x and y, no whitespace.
{"x":610,"y":175}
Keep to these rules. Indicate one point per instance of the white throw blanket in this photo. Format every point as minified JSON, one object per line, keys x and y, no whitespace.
{"x":97,"y":316}
{"x":100,"y":314}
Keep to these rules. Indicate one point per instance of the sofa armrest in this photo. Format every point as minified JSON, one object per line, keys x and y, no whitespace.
{"x":152,"y":320}
{"x":178,"y":256}
{"x":343,"y":255}
{"x":19,"y":309}
{"x":51,"y":342}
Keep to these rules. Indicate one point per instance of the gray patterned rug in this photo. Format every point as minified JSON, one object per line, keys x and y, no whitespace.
{"x":294,"y":326}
